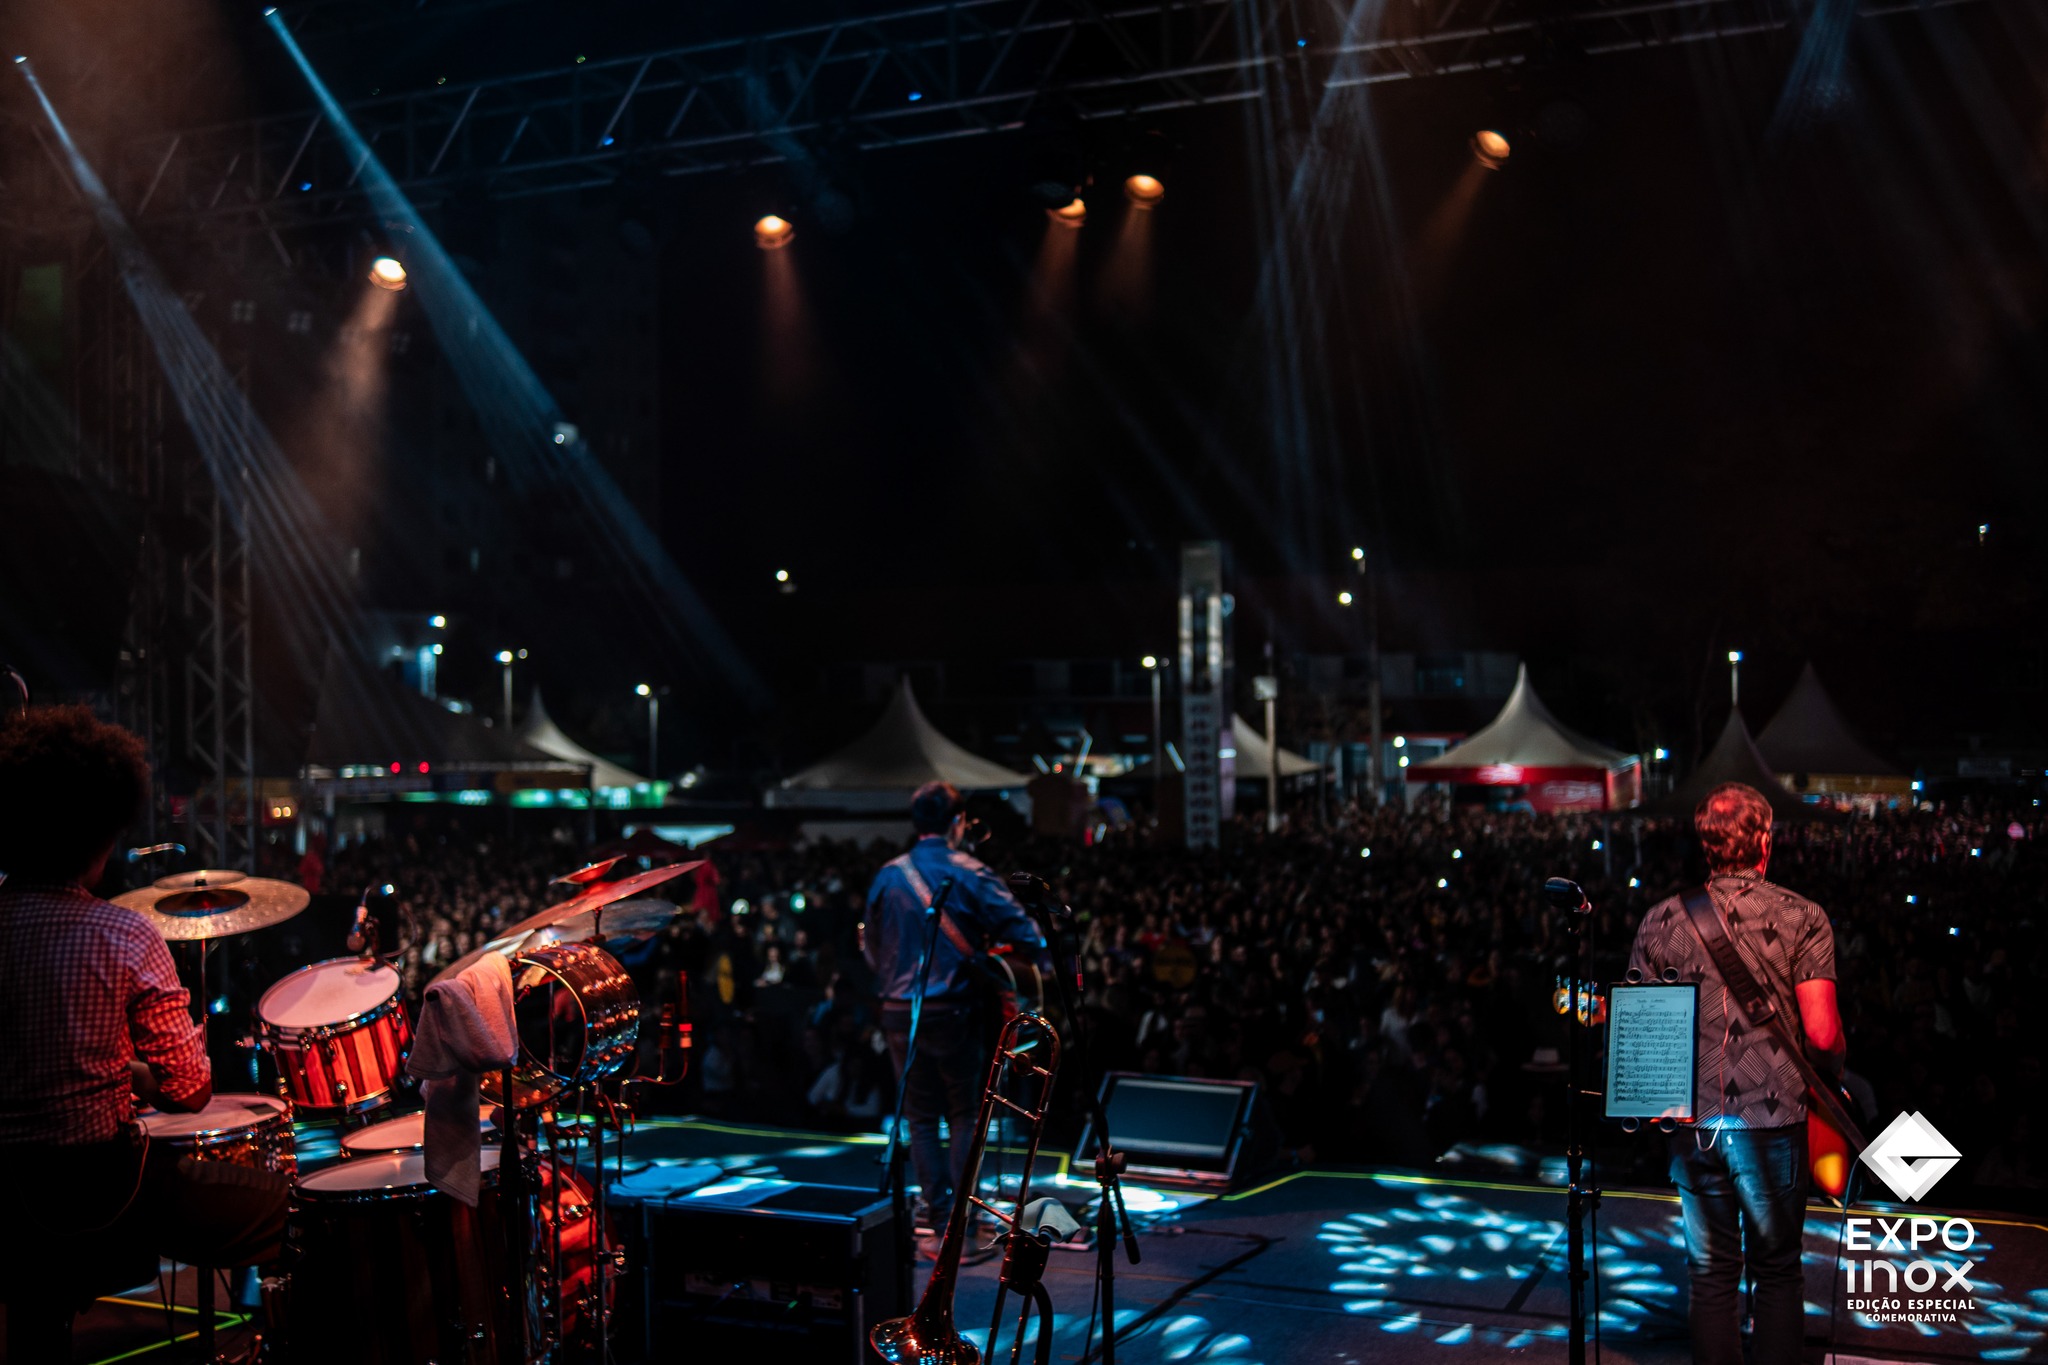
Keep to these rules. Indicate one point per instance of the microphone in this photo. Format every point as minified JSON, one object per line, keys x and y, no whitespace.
{"x":362,"y":936}
{"x":1035,"y":893}
{"x":1567,"y":895}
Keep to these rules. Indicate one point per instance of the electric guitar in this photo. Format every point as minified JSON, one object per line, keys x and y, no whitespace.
{"x":1833,"y":1140}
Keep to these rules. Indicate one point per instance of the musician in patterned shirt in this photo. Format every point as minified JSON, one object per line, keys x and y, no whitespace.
{"x":94,"y":1018}
{"x":1741,"y":1169}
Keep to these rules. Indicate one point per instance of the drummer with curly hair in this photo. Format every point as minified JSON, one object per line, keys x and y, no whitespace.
{"x":94,"y":1018}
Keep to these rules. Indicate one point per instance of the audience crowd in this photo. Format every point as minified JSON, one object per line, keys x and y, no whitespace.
{"x":1391,"y":978}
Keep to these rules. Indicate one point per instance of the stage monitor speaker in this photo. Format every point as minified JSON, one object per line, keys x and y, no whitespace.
{"x":769,"y":1273}
{"x":1179,"y":1131}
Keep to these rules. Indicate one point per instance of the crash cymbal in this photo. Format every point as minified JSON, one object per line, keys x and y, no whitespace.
{"x":214,"y":903}
{"x":605,"y":893}
{"x":641,"y":915}
{"x":625,"y":911}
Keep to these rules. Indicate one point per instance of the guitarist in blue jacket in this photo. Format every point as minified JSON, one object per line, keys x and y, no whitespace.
{"x":976,"y":912}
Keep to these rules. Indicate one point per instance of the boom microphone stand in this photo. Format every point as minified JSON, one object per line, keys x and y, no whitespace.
{"x":1112,"y":1219}
{"x":1569,"y":897}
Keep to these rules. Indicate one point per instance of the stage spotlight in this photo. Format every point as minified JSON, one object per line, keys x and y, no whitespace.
{"x":387,"y":273}
{"x":1144,"y":190}
{"x":1071,"y":214}
{"x":772,"y":233}
{"x":1491,"y":149}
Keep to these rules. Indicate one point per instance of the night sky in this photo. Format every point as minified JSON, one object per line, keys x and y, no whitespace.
{"x":1679,"y":378}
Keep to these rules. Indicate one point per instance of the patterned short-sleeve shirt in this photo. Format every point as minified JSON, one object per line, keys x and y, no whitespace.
{"x":1742,"y":1077}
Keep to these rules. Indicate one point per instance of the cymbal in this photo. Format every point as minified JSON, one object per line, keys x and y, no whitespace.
{"x":605,"y":893}
{"x":625,"y":911}
{"x":641,"y":915}
{"x":214,"y":903}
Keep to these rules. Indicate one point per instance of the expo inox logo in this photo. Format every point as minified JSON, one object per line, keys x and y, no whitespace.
{"x":1909,"y":1156}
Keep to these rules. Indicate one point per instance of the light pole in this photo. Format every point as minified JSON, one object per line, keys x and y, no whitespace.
{"x":653,"y":730}
{"x":1151,"y":665}
{"x":1266,"y":688}
{"x":1372,"y":666}
{"x":1735,"y":677}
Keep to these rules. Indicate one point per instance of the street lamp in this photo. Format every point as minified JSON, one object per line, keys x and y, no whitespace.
{"x":653,"y":728}
{"x":505,"y":657}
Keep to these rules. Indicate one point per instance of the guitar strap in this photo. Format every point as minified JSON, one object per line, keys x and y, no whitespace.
{"x":1761,"y":1008}
{"x":955,"y":935}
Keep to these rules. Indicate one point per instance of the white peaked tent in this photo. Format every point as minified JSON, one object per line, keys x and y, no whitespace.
{"x":542,"y":733}
{"x":1525,"y":746}
{"x":1251,"y":754}
{"x":899,"y":754}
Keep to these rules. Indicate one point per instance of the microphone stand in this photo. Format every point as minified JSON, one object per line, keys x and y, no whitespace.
{"x":1112,"y":1219}
{"x":892,"y":1177}
{"x":1567,"y":896}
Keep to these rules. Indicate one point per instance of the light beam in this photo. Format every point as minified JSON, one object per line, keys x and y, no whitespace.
{"x":520,"y":417}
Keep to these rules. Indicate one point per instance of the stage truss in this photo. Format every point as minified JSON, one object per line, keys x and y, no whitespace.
{"x":893,"y":79}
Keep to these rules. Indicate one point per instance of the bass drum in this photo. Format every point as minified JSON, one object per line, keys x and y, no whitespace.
{"x":384,"y":1269}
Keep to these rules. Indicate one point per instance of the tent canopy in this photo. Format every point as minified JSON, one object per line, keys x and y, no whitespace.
{"x":1251,"y":754}
{"x":900,"y":753}
{"x":542,"y":733}
{"x":1523,"y":735}
{"x":1525,"y":746}
{"x":1734,"y":758}
{"x":1808,"y":735}
{"x":365,"y":719}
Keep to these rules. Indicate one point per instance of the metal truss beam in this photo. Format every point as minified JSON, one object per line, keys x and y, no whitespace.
{"x":220,"y":713}
{"x":912,"y":75}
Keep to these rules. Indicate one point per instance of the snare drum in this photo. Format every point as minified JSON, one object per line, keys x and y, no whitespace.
{"x":339,"y":1033}
{"x":407,"y":1133}
{"x":242,"y":1130}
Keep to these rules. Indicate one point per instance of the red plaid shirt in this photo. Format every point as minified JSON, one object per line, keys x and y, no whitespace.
{"x":84,"y":988}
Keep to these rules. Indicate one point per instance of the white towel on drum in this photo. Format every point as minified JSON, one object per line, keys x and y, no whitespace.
{"x":466,"y":1028}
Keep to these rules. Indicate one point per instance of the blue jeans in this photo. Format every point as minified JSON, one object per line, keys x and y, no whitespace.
{"x":1745,"y":1206}
{"x":946,"y":1079}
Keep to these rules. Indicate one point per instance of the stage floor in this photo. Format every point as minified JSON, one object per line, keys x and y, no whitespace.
{"x":1341,"y":1265}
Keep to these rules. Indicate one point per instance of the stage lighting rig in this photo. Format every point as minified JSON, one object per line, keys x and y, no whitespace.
{"x":1144,"y":191}
{"x":1491,"y":148}
{"x":773,"y":232}
{"x":387,"y":272}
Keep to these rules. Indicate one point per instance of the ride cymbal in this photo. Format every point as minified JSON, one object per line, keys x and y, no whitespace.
{"x":214,"y":903}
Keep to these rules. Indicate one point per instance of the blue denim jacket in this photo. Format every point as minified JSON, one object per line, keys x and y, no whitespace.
{"x":979,"y":903}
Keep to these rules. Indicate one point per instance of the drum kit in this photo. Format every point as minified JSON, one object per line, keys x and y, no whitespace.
{"x":414,"y":1274}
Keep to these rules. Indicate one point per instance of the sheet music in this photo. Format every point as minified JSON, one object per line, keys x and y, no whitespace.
{"x":1650,"y":1042}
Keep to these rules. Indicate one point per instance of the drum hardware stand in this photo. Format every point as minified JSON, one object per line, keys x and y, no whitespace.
{"x":514,"y":1183}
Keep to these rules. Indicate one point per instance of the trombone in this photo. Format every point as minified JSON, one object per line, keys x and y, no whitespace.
{"x":928,"y":1336}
